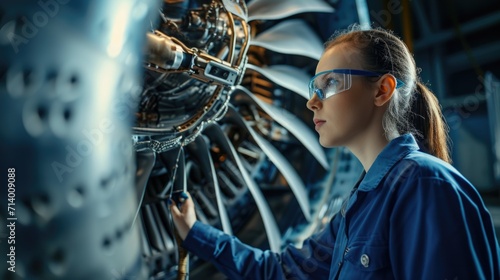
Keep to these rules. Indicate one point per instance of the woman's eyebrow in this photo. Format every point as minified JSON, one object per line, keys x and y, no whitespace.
{"x":325,"y":76}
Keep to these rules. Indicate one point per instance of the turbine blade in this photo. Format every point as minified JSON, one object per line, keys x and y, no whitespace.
{"x":289,"y":121}
{"x":278,"y":9}
{"x":286,"y":76}
{"x":154,"y":235}
{"x":145,"y":161}
{"x":175,"y":161}
{"x":294,"y":181}
{"x":283,"y":38}
{"x":201,"y":150}
{"x":215,"y":133}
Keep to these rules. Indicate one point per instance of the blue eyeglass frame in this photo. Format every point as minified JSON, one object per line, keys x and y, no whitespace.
{"x":355,"y":72}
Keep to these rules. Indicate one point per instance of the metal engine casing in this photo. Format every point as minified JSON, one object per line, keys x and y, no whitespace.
{"x":69,"y":82}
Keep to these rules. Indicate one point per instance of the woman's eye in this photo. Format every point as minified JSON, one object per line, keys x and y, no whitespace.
{"x":331,"y":83}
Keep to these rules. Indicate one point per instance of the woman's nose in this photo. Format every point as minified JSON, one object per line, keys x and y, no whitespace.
{"x":314,"y":103}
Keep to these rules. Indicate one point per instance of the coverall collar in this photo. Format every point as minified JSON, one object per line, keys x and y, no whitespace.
{"x":397,"y":149}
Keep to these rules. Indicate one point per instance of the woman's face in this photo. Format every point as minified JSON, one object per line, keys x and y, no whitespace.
{"x":342,"y":118}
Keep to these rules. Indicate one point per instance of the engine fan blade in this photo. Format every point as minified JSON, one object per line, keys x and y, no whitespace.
{"x":200,"y":149}
{"x":289,"y":121}
{"x":283,"y":38}
{"x":215,"y":133}
{"x":293,"y":179}
{"x":278,"y":9}
{"x":145,"y":161}
{"x":175,"y":159}
{"x":286,"y":76}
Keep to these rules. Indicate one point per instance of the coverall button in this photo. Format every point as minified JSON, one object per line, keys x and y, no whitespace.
{"x":365,"y":260}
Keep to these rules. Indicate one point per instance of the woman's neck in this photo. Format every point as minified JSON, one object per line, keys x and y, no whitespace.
{"x":368,"y":146}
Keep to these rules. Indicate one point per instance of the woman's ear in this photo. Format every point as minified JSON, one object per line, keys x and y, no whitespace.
{"x":386,"y":87}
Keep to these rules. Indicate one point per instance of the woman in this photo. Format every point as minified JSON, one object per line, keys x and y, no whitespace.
{"x":410,"y":216}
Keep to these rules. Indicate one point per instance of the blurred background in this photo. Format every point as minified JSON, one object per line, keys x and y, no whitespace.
{"x":110,"y":107}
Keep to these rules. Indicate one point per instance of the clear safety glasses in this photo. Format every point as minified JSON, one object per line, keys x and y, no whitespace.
{"x":328,"y":83}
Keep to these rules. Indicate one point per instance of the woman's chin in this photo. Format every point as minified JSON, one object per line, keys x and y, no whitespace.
{"x":329,"y":142}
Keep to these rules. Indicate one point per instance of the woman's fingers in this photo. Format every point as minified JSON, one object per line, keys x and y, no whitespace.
{"x":173,"y":208}
{"x":186,"y":202}
{"x":185,"y":217}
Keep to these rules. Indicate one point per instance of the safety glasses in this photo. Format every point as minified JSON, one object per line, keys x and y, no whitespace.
{"x":328,"y":83}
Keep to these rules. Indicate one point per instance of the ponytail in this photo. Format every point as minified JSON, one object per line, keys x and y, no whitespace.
{"x":431,"y":129}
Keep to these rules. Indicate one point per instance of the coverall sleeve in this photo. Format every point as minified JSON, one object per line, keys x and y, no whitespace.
{"x":442,"y":230}
{"x":240,"y":261}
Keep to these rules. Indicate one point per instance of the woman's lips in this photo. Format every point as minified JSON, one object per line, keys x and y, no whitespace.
{"x":318,"y":123}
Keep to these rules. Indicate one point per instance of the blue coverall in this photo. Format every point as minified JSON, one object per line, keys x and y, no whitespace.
{"x":412,"y":216}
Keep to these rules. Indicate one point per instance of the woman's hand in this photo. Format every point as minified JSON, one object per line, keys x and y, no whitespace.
{"x":185,"y":217}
